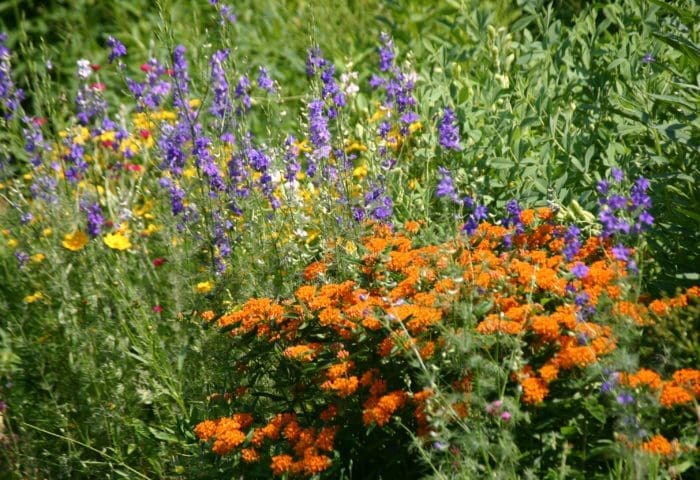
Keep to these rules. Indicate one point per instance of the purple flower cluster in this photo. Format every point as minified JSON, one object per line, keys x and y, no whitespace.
{"x":150,"y":94}
{"x":317,"y":65}
{"x":448,"y":130}
{"x":95,"y":220}
{"x":621,"y":214}
{"x":118,"y":49}
{"x":386,"y":52}
{"x":264,"y":80}
{"x":75,"y":160}
{"x":446,"y":187}
{"x":398,"y":86}
{"x":291,"y":159}
{"x":479,"y":213}
{"x":318,"y":128}
{"x":221,"y":104}
{"x":10,"y":97}
{"x":182,"y":78}
{"x":572,"y":244}
{"x":378,"y":205}
{"x":204,"y":160}
{"x":242,"y":93}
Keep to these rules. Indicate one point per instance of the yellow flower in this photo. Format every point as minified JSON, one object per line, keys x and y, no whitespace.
{"x":47,"y":232}
{"x":355,"y":146}
{"x":38,"y":257}
{"x":150,"y":229}
{"x":117,"y":241}
{"x":189,"y":172}
{"x":75,"y":241}
{"x":12,"y":243}
{"x":204,"y":287}
{"x":303,"y":146}
{"x":34,"y":297}
{"x":141,"y":210}
{"x":360,"y":171}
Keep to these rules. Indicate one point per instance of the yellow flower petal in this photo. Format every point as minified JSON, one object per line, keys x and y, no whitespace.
{"x":75,"y":241}
{"x":117,"y":241}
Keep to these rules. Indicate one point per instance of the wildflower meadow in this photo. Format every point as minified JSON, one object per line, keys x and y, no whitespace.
{"x":355,"y":240}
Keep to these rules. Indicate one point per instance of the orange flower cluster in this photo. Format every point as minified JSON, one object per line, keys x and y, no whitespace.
{"x":354,"y":337}
{"x":683,"y":388}
{"x":659,"y":445}
{"x":227,"y":432}
{"x":306,"y":444}
{"x":661,"y":307}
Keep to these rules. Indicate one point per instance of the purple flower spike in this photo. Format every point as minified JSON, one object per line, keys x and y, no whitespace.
{"x":449,"y":133}
{"x":118,"y":48}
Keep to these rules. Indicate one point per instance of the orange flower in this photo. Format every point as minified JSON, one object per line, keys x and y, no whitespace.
{"x":549,"y":372}
{"x":281,"y":464}
{"x":314,"y":270}
{"x":689,"y":378}
{"x":570,"y":356}
{"x":672,"y":395}
{"x":659,"y":445}
{"x":534,"y":390}
{"x":314,"y":464}
{"x":205,"y":430}
{"x":343,"y":387}
{"x":250,"y":455}
{"x":644,"y":377}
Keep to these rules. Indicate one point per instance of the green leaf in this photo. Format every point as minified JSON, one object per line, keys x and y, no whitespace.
{"x":681,"y":44}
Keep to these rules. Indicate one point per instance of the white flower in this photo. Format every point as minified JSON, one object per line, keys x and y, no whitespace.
{"x":84,"y":70}
{"x":348,"y":85}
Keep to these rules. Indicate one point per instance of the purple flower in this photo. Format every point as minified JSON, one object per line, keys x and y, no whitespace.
{"x":386,"y":52}
{"x":449,"y":133}
{"x":181,"y":76}
{"x":118,"y":48}
{"x":579,"y":270}
{"x":227,"y":15}
{"x":319,"y":133}
{"x":314,"y":61}
{"x":512,"y":218}
{"x":10,"y":97}
{"x":446,"y":187}
{"x":22,"y":258}
{"x":95,"y":220}
{"x":572,"y":243}
{"x":264,"y":80}
{"x":625,"y":398}
{"x":618,"y":175}
{"x":242,"y":92}
{"x":648,"y":58}
{"x":620,"y":252}
{"x":221,"y":104}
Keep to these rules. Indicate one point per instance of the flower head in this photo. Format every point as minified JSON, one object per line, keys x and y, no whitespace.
{"x":449,"y":133}
{"x":118,"y":48}
{"x":75,"y":241}
{"x":117,"y":241}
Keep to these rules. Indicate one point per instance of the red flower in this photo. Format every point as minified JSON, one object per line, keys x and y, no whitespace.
{"x":145,"y":134}
{"x":95,"y":67}
{"x":145,"y":67}
{"x":157,"y":262}
{"x":98,"y":86}
{"x":157,"y":308}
